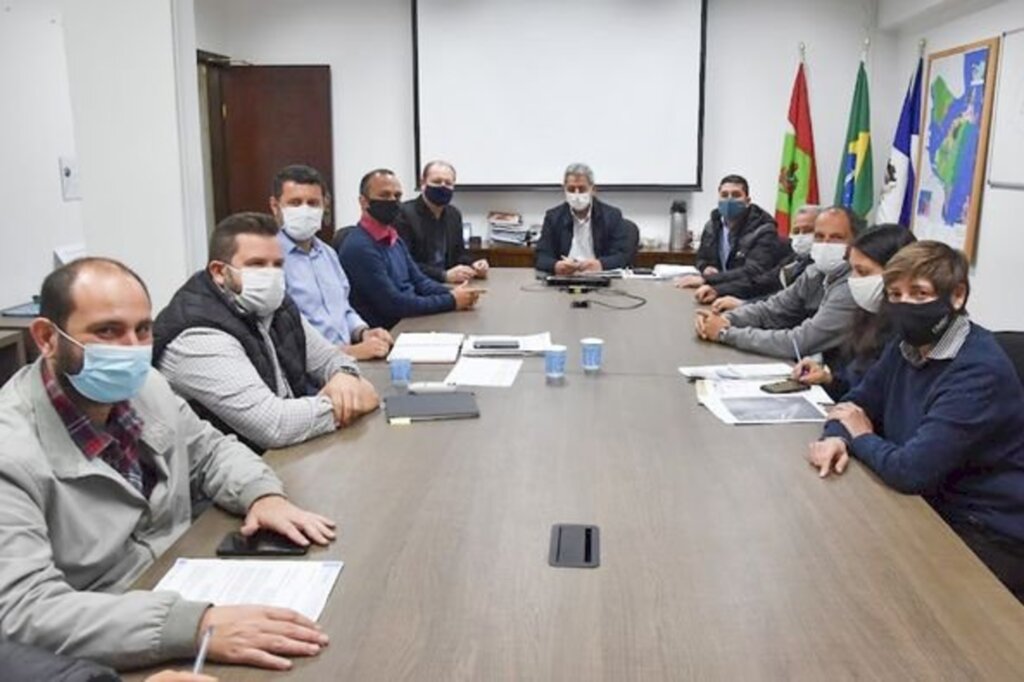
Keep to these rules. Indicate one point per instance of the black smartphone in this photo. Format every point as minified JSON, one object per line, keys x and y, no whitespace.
{"x":497,"y":344}
{"x":260,"y":543}
{"x":785,"y":386}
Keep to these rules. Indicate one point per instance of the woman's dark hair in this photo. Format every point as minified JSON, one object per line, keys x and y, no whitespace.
{"x":871,"y":330}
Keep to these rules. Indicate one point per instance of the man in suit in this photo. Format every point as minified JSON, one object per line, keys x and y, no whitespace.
{"x":432,"y":229}
{"x":584,"y":234}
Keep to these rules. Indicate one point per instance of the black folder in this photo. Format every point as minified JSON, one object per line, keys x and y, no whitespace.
{"x":417,"y":407}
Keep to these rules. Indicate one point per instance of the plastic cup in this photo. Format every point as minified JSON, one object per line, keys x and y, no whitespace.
{"x":401,"y":371}
{"x":593,"y":352}
{"x":554,"y":363}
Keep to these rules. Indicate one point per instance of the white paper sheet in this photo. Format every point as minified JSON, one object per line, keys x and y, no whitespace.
{"x":531,"y":344}
{"x":484,"y":372}
{"x":299,"y":585}
{"x":783,"y":409}
{"x":751,"y":388}
{"x":767,"y":370}
{"x":668,"y":270}
{"x":427,"y":347}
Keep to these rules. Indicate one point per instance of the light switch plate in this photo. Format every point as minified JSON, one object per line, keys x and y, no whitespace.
{"x":70,"y":187}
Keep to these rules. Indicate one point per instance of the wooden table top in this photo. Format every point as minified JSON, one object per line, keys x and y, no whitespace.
{"x":723,"y":555}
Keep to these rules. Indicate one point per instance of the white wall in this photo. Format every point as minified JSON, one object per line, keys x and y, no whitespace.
{"x":35,"y":129}
{"x":751,"y":62}
{"x":123,"y":94}
{"x":1000,"y":247}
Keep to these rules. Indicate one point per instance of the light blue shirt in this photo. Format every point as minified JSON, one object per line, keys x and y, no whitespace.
{"x":319,"y":287}
{"x":723,"y":245}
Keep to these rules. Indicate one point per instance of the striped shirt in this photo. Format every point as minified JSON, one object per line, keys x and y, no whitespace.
{"x":945,"y":348}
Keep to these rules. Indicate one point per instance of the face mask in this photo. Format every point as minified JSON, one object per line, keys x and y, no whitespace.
{"x":730,"y":209}
{"x":921,"y":324}
{"x":439,"y":195}
{"x":301,"y":222}
{"x":110,"y":373}
{"x":867,"y":292}
{"x":828,"y":257}
{"x":262,"y":290}
{"x":802,"y":243}
{"x":384,"y":211}
{"x":578,"y":201}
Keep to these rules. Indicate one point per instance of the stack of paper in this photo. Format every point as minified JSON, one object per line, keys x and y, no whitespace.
{"x":507,"y":228}
{"x":299,"y":585}
{"x":533,"y":344}
{"x":743,"y":402}
{"x":766,"y":370}
{"x":429,"y":347}
{"x":484,"y":372}
{"x":668,"y":271}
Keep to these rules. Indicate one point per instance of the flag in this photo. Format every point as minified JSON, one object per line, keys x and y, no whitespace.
{"x":798,"y":174}
{"x":898,"y":189}
{"x":854,"y":185}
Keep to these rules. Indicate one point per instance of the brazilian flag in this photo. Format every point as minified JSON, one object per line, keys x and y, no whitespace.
{"x":855,"y":186}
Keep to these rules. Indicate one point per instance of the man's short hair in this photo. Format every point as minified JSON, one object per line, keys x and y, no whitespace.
{"x":579,"y":169}
{"x":364,"y":184}
{"x":808,"y":208}
{"x":856,"y":223}
{"x":942,"y":265}
{"x":300,"y":175}
{"x":55,"y":300}
{"x":429,"y":165}
{"x":733,"y":179}
{"x":224,"y":242}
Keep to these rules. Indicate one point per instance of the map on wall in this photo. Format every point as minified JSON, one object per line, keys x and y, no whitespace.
{"x":954,"y":141}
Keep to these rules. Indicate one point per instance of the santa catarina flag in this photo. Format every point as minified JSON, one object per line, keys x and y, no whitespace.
{"x":798,"y":174}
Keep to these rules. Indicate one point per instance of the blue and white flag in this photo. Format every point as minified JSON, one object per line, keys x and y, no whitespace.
{"x":896,"y":202}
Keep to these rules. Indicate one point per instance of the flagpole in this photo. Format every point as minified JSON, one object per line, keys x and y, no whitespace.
{"x":920,"y":47}
{"x":864,"y":52}
{"x":803,"y":52}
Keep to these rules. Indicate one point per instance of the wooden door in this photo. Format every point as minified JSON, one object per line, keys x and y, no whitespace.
{"x":262,"y":119}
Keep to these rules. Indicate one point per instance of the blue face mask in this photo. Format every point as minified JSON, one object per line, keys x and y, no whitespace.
{"x":730,"y":209}
{"x":110,"y":373}
{"x":439,"y":195}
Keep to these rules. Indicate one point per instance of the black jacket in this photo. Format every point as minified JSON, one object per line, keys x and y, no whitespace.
{"x":435,"y":244}
{"x":754,"y":247}
{"x":201,"y":303}
{"x":765,"y":283}
{"x":611,"y":243}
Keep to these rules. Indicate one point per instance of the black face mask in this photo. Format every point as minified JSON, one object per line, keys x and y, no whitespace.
{"x":384,"y":211}
{"x":921,"y":324}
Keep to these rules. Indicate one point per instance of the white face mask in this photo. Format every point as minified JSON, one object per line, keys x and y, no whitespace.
{"x":579,"y":201}
{"x":301,"y":222}
{"x":262,"y":290}
{"x":867,"y":292}
{"x":828,"y":257}
{"x":802,"y":243}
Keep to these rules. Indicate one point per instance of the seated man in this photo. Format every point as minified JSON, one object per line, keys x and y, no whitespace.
{"x":387,"y":285}
{"x":729,"y":294}
{"x":814,"y":314}
{"x":432,"y":229}
{"x":740,"y":241}
{"x":97,"y":460}
{"x":941,"y":414}
{"x":584,"y":234}
{"x":313,"y":277}
{"x":238,"y":349}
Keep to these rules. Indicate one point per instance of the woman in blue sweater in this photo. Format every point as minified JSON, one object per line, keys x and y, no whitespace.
{"x":941,"y":414}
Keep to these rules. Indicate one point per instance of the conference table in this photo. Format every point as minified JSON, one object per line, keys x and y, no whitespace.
{"x":723,"y":555}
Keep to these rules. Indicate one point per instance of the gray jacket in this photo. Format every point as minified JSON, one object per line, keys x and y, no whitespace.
{"x":816,"y":312}
{"x":74,"y":534}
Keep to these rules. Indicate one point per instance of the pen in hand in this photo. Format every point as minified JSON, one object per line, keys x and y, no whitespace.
{"x":204,"y":646}
{"x":799,"y":358}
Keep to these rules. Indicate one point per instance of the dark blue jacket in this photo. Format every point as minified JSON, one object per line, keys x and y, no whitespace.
{"x":611,"y":241}
{"x":952,"y":431}
{"x":387,"y":285}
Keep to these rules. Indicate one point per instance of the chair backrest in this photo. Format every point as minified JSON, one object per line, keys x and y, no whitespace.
{"x":340,"y":235}
{"x":1013,"y":344}
{"x":632,"y":239}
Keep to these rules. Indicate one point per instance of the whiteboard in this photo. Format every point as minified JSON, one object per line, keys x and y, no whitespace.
{"x":512,"y":92}
{"x":1006,"y":151}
